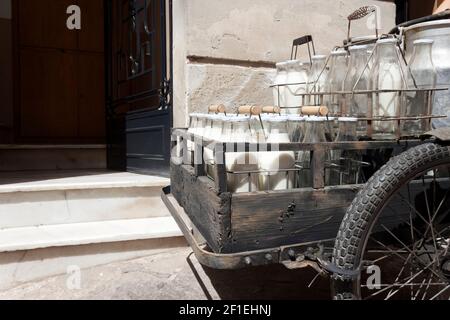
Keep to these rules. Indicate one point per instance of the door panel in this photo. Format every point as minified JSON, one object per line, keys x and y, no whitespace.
{"x":139,"y":115}
{"x":48,"y":104}
{"x":91,"y":90}
{"x":91,"y":36}
{"x":60,"y":87}
{"x":43,"y":24}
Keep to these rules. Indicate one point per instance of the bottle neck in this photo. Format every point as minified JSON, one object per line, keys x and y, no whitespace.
{"x":358,"y":60}
{"x":314,"y":132}
{"x":387,"y":52}
{"x":347,"y":131}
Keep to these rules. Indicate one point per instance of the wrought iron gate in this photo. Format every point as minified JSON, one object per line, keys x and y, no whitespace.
{"x":139,"y":113}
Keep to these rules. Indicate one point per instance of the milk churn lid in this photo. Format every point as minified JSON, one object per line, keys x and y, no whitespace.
{"x":388,"y":40}
{"x":358,"y":47}
{"x":423,"y":41}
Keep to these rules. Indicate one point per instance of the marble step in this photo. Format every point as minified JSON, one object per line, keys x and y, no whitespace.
{"x":74,"y":234}
{"x":52,"y":157}
{"x":33,"y":253}
{"x":45,"y":198}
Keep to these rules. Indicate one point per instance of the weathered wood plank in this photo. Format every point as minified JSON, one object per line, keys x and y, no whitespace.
{"x":283,"y":218}
{"x":210,"y":212}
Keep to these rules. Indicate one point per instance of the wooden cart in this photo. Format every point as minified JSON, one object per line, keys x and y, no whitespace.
{"x":236,"y":230}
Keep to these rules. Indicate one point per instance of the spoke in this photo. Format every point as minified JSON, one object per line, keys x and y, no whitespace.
{"x":434,"y":190}
{"x":396,"y":284}
{"x":405,"y":263}
{"x":417,"y":212}
{"x":426,"y":196}
{"x":382,"y":258}
{"x":385,"y":251}
{"x":436,"y":213}
{"x":441,"y":292}
{"x":420,"y":288}
{"x":440,"y":284}
{"x":410,"y":279}
{"x":411,"y":217}
{"x":409,"y":250}
{"x":429,"y":217}
{"x":426,"y":289}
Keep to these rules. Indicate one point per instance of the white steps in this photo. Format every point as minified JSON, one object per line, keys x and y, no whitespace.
{"x":51,"y":221}
{"x":30,"y":238}
{"x":43,"y":198}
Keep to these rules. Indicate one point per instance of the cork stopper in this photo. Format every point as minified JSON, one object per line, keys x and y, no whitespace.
{"x":314,"y":111}
{"x":217,"y":109}
{"x":250,"y":110}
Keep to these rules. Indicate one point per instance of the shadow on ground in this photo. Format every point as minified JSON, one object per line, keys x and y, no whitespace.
{"x":265,"y":283}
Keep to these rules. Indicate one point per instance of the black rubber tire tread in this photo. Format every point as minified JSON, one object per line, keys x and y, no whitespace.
{"x":363,"y":213}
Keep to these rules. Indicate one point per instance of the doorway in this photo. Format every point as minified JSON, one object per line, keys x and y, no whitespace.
{"x":59,"y":82}
{"x":106,"y":83}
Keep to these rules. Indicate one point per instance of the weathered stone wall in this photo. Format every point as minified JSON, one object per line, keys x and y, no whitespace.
{"x":224,"y":51}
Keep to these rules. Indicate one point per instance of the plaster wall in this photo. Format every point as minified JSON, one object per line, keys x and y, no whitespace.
{"x":225,"y":51}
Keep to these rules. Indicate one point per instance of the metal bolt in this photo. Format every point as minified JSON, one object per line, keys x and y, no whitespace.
{"x":248,"y":261}
{"x":269,"y":257}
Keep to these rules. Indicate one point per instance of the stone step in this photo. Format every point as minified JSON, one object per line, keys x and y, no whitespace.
{"x":52,"y":157}
{"x":45,"y":198}
{"x":34,"y":253}
{"x":74,"y":234}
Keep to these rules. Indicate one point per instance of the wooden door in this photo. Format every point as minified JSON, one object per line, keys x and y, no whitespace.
{"x":139,"y":113}
{"x":59,"y":73}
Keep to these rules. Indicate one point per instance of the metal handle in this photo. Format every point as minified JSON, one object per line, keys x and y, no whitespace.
{"x":308,"y":39}
{"x":362,"y":13}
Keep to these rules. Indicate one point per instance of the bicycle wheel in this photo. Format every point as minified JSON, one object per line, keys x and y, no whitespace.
{"x":394,"y":240}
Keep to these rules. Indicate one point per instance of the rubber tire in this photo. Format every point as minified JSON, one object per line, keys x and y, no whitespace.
{"x":364,"y":211}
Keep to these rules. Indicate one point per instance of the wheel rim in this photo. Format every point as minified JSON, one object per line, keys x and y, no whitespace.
{"x":406,"y":254}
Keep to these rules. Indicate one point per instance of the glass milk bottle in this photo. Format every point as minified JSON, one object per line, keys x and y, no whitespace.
{"x":345,"y":163}
{"x":273,"y":163}
{"x":335,"y":80}
{"x":193,"y":128}
{"x":357,"y":78}
{"x":279,"y":95}
{"x":200,"y":124}
{"x":241,"y":160}
{"x":317,"y":78}
{"x":315,"y":128}
{"x":386,"y":74}
{"x":214,"y":133}
{"x":424,"y":75}
{"x":230,"y":157}
{"x":297,"y":80}
{"x":296,"y":128}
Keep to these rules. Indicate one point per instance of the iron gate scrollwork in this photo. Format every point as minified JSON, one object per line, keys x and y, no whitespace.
{"x":139,"y":86}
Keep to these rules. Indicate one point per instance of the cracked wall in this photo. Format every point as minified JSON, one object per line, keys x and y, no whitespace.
{"x":225,"y":51}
